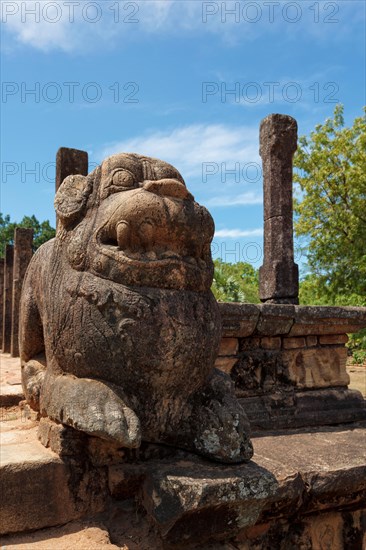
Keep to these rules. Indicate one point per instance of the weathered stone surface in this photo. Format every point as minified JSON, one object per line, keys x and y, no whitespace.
{"x":327,"y":320}
{"x":11,"y":391}
{"x":225,"y":364}
{"x":120,"y":304}
{"x":87,"y":535}
{"x":333,"y":339}
{"x":8,"y":297}
{"x":125,"y":480}
{"x":193,"y":501}
{"x":293,"y":342}
{"x":2,"y":261}
{"x":271,"y":342}
{"x":295,"y":409}
{"x":23,"y":251}
{"x":38,"y":489}
{"x":250,"y":343}
{"x":256,"y":372}
{"x":311,"y":341}
{"x":336,"y":530}
{"x":238,"y":320}
{"x":70,"y":162}
{"x":278,"y":277}
{"x":275,"y":319}
{"x":316,"y":367}
{"x":229,"y":346}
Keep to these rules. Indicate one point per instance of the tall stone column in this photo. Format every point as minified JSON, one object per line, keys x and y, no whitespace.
{"x":70,"y":162}
{"x":8,"y":291}
{"x":279,"y":275}
{"x":23,"y":242}
{"x":1,"y":299}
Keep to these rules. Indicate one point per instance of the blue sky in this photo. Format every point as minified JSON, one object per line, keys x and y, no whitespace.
{"x":186,"y":81}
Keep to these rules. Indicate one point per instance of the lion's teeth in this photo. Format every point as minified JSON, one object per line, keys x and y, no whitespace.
{"x":151,"y":255}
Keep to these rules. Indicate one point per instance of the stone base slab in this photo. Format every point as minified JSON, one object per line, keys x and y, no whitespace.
{"x":289,"y":410}
{"x":187,"y":500}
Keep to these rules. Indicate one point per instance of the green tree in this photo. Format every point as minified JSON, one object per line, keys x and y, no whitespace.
{"x":330,"y":209}
{"x":42,"y":231}
{"x":235,"y":282}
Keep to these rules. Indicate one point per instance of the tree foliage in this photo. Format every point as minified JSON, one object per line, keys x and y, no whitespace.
{"x":235,"y":282}
{"x":42,"y":231}
{"x":331,"y":213}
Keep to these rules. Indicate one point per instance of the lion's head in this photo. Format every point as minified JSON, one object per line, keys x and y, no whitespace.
{"x":133,"y":221}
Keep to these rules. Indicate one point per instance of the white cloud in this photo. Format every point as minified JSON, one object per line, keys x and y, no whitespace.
{"x":243,"y":199}
{"x":237,"y":233}
{"x":73,"y":26}
{"x":190,"y":148}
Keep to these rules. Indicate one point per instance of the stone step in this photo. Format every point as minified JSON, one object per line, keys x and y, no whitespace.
{"x":80,"y":535}
{"x":186,"y":500}
{"x":11,"y":391}
{"x":39,"y":489}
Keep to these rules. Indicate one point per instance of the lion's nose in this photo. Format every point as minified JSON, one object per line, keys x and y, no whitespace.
{"x":168,"y":188}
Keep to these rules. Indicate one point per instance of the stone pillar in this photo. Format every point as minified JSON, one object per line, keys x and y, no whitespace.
{"x":279,"y":275}
{"x":70,"y":162}
{"x":23,"y":241}
{"x":8,"y":291}
{"x":1,"y":299}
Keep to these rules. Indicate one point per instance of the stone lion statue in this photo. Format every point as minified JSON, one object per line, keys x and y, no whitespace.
{"x":119,"y":328}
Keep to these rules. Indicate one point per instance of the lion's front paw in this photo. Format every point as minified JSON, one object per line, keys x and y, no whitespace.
{"x":90,"y":406}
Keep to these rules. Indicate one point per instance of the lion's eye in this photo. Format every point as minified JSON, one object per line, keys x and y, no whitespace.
{"x":123,"y":178}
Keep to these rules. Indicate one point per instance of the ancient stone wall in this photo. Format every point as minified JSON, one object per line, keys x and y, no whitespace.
{"x":288,"y":363}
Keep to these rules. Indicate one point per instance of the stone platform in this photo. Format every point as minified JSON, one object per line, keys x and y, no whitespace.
{"x":301,"y":488}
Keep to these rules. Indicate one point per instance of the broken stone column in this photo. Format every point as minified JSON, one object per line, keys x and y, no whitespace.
{"x":23,"y":242}
{"x":1,"y":299}
{"x":8,"y":291}
{"x":70,"y":162}
{"x":279,"y":275}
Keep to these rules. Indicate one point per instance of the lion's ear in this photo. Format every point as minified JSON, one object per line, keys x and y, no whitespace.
{"x":72,"y":196}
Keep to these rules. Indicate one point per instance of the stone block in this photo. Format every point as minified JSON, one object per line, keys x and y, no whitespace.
{"x":271,"y":342}
{"x":193,"y":501}
{"x":7,"y":298}
{"x":225,"y":364}
{"x":2,"y":262}
{"x":39,"y":489}
{"x":333,"y":339}
{"x":249,"y":343}
{"x":229,"y":346}
{"x":316,"y":367}
{"x":70,"y":162}
{"x":78,"y":535}
{"x":279,"y":281}
{"x":255,"y":373}
{"x":295,"y":409}
{"x":238,"y":320}
{"x":310,"y":320}
{"x":293,"y":343}
{"x":311,"y":341}
{"x":275,"y":319}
